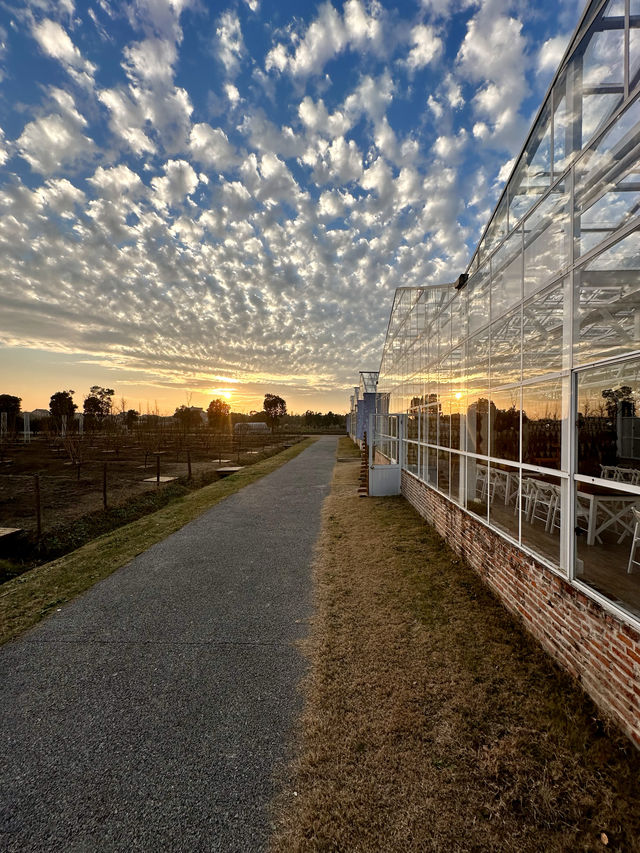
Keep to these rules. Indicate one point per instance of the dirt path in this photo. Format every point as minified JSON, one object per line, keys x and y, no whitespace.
{"x":432,"y":722}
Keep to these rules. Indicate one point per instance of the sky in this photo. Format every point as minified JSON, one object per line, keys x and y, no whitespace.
{"x":201,"y":198}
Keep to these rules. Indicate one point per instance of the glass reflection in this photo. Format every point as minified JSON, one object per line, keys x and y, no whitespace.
{"x":478,"y":416}
{"x":609,"y":422}
{"x":505,"y":424}
{"x":506,"y":275}
{"x":541,"y":514}
{"x":443,"y":472}
{"x":608,"y":302}
{"x":543,"y":347}
{"x":504,"y":482}
{"x":547,"y":241}
{"x":477,"y":294}
{"x":506,"y":337}
{"x":542,"y":424}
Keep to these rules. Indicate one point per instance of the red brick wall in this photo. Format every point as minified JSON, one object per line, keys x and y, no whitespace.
{"x":602,"y":652}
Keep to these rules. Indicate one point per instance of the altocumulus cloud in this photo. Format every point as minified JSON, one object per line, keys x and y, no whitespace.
{"x":191,"y":191}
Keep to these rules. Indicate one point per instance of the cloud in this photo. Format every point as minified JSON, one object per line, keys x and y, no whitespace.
{"x":229,"y":42}
{"x":493,"y":55}
{"x":54,"y":141}
{"x":211,"y":147}
{"x":56,"y":42}
{"x":115,"y":181}
{"x":551,"y":53}
{"x":427,"y":46}
{"x":179,"y":181}
{"x":150,"y":62}
{"x":329,"y":35}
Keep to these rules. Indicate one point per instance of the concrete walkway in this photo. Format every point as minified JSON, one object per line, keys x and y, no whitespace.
{"x":153,"y":712}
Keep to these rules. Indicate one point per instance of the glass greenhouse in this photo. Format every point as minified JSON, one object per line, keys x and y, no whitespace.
{"x":515,"y":392}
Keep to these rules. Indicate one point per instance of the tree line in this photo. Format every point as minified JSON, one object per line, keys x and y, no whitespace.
{"x":98,"y":407}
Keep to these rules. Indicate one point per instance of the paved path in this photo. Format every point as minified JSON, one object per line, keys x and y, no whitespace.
{"x":152,"y":713}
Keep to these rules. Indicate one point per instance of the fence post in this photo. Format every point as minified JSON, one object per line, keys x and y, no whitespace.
{"x":157,"y":469}
{"x":38,"y":515}
{"x":188,"y":464}
{"x":104,"y":485}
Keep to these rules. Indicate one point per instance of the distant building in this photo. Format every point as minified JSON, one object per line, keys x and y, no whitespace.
{"x":364,"y":402}
{"x":252,"y":428}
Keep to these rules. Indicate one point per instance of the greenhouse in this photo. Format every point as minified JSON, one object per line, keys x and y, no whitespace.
{"x":514,"y":392}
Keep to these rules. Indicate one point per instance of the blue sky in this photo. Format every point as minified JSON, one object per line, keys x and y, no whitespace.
{"x":200,"y":197}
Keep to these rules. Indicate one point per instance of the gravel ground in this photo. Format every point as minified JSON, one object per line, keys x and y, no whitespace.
{"x":154,"y":712}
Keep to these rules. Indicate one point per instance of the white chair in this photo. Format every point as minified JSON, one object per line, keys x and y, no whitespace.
{"x":482,"y":479}
{"x":634,"y":541}
{"x":498,"y":481}
{"x":555,"y":520}
{"x":544,"y":503}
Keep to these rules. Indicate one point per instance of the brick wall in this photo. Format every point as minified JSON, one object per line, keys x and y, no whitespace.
{"x":602,"y":652}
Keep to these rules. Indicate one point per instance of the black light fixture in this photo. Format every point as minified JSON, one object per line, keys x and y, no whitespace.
{"x":462,"y":281}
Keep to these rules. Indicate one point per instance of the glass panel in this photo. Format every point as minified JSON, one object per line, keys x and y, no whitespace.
{"x":616,"y":147}
{"x":478,"y":421}
{"x":542,"y":513}
{"x":547,"y":242}
{"x":477,"y":487}
{"x":542,"y":424}
{"x":506,"y":275}
{"x":602,"y":79}
{"x":497,"y":230}
{"x":458,"y":396}
{"x":412,"y":457}
{"x":504,"y":482}
{"x":478,"y":299}
{"x":533,"y":173}
{"x":454,"y":484}
{"x":609,"y":422}
{"x":608,"y":302}
{"x":443,"y":472}
{"x":412,"y":427}
{"x":478,"y":360}
{"x":608,"y":544}
{"x":444,"y":331}
{"x":505,"y":350}
{"x":543,"y":331}
{"x":607,"y":191}
{"x":565,"y":122}
{"x":432,"y":424}
{"x":634,"y":54}
{"x":505,"y":424}
{"x":444,"y":423}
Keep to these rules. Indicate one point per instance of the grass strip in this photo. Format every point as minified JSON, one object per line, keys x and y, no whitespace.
{"x":432,"y":721}
{"x":25,"y":600}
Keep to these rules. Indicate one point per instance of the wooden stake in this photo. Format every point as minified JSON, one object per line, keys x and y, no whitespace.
{"x":38,"y":515}
{"x":189,"y":464}
{"x":104,"y":485}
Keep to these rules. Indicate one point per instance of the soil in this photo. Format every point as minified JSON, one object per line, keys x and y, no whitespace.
{"x":67,"y":494}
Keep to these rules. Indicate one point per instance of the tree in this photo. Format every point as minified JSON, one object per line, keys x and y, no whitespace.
{"x":218,"y":415}
{"x":274,"y":408}
{"x":61,"y":403}
{"x":188,"y":417}
{"x":131,"y":418}
{"x":97,"y":404}
{"x":10,"y":405}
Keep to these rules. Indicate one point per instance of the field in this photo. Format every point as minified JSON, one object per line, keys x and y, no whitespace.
{"x":73,"y":478}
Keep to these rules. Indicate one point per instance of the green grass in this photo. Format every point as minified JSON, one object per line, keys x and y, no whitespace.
{"x":26,"y":599}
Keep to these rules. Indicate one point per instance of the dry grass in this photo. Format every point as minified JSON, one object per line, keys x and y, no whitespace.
{"x":31,"y":596}
{"x":431,"y":721}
